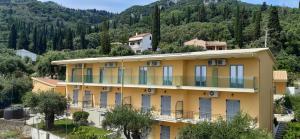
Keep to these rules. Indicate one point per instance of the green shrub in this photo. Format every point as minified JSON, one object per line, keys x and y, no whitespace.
{"x":87,"y":132}
{"x":293,"y":131}
{"x":81,"y":117}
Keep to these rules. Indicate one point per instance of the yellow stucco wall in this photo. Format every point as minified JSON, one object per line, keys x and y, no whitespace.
{"x":40,"y":86}
{"x":258,"y":105}
{"x":265,"y":91}
{"x":280,"y":88}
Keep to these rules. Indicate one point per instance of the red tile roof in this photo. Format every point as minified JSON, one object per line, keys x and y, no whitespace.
{"x":48,"y":81}
{"x":280,"y":76}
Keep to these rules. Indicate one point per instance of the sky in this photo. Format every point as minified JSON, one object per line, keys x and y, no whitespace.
{"x":118,"y":6}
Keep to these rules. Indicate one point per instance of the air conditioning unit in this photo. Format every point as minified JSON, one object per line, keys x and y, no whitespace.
{"x":106,"y":89}
{"x":153,"y":63}
{"x":77,"y":87}
{"x":213,"y":94}
{"x":150,"y":91}
{"x":212,"y":62}
{"x":221,"y":62}
{"x":110,"y":64}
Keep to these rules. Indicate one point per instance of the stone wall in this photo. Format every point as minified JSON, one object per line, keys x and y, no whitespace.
{"x":15,"y":125}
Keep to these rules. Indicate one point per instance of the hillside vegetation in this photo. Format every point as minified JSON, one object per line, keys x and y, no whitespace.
{"x":46,"y":26}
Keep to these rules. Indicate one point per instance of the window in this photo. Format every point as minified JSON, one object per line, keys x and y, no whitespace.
{"x":232,"y":108}
{"x":205,"y":108}
{"x":237,"y":76}
{"x":165,"y":105}
{"x":89,"y":75}
{"x":118,"y":99}
{"x":200,"y":75}
{"x":143,"y":75}
{"x":75,"y":97}
{"x":138,"y":42}
{"x":146,"y":105}
{"x":76,"y":75}
{"x":101,"y":76}
{"x":120,"y":75}
{"x":103,"y":100}
{"x":167,"y":75}
{"x":87,"y":99}
{"x":150,"y":38}
{"x":132,"y":43}
{"x":165,"y":132}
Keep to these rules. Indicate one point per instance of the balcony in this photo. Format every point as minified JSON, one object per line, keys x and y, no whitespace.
{"x":172,"y":82}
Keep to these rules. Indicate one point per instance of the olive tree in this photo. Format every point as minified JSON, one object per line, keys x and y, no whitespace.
{"x":49,"y":103}
{"x":135,"y":124}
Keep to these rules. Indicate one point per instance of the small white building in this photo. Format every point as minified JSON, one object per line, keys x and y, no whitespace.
{"x":25,"y":53}
{"x":141,"y":42}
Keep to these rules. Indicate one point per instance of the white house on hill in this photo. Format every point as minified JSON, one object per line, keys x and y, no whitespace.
{"x":141,"y":42}
{"x":25,"y":53}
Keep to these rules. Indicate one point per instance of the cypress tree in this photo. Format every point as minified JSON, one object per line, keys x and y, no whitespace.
{"x":275,"y":41}
{"x":35,"y":40}
{"x":188,"y":15}
{"x":226,"y":11}
{"x":264,"y":6}
{"x":82,"y":40}
{"x":12,"y":40}
{"x":202,"y":13}
{"x":173,"y":19}
{"x":69,"y":40}
{"x":105,"y":40}
{"x":238,"y":28}
{"x":23,"y":42}
{"x":257,"y":28}
{"x":274,"y":23}
{"x":155,"y":28}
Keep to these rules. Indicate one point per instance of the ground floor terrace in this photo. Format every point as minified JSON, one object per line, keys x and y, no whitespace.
{"x":171,"y":108}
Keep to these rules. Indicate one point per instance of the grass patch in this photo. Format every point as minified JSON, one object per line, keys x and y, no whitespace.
{"x":73,"y":131}
{"x":9,"y":134}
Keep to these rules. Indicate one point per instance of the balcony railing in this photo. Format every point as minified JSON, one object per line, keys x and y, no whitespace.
{"x":208,"y":81}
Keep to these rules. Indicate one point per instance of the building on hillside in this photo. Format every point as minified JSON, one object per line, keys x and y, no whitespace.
{"x":141,"y":42}
{"x":46,"y":84}
{"x":210,"y":1}
{"x":207,"y":45}
{"x":25,"y":53}
{"x":182,"y":88}
{"x":280,"y":79}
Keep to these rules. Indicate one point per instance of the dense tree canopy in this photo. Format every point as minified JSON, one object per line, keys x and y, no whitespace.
{"x":133,"y":123}
{"x":49,"y":103}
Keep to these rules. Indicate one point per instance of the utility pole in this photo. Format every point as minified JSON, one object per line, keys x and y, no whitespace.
{"x":266,"y":38}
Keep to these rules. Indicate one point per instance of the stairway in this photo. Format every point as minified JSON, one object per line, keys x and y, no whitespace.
{"x":280,"y":131}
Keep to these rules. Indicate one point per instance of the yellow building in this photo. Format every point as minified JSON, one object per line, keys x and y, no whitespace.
{"x":45,"y":84}
{"x":280,"y":80}
{"x":181,"y":88}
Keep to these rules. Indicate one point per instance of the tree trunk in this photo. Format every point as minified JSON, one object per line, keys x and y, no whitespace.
{"x":126,"y":133}
{"x":49,"y":121}
{"x":136,"y":135}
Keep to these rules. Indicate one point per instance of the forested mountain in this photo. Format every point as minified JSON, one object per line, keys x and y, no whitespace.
{"x":42,"y":24}
{"x":188,"y":19}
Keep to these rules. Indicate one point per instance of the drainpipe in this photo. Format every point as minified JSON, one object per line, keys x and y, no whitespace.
{"x":82,"y":88}
{"x":122,"y":82}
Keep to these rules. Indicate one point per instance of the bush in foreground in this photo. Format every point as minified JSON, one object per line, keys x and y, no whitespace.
{"x":241,"y":126}
{"x":81,"y":117}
